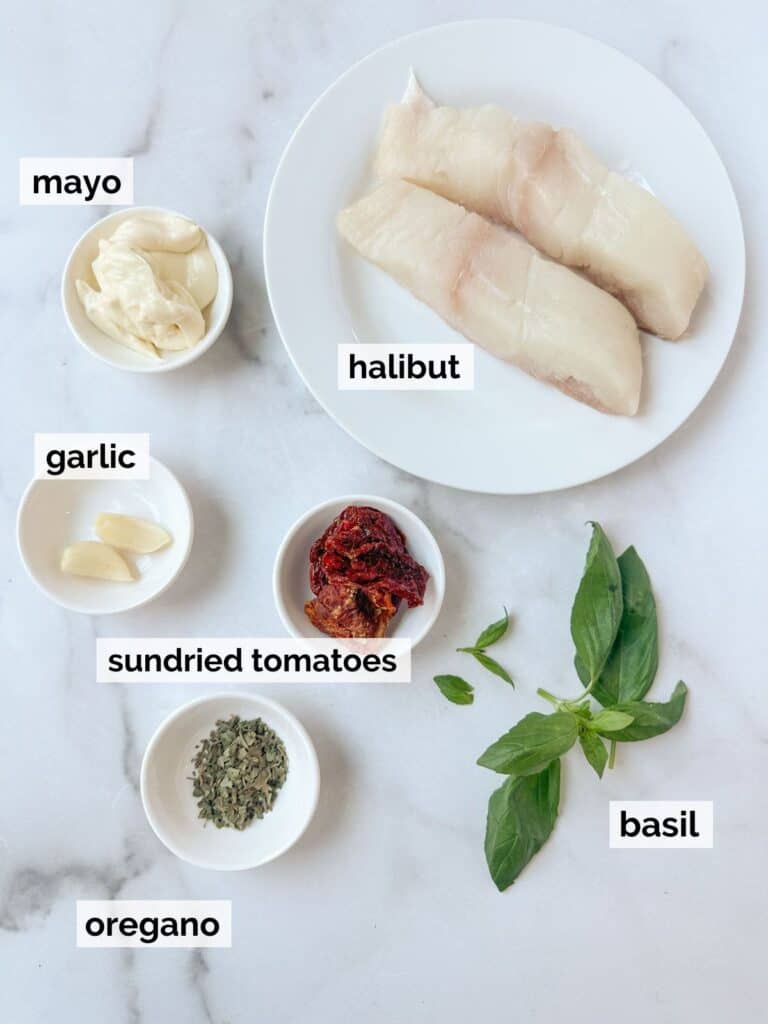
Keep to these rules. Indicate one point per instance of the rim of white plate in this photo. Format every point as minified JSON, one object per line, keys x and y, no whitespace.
{"x":579,"y":478}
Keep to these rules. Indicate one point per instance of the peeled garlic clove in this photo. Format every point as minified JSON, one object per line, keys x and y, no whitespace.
{"x":138,"y":535}
{"x":90,"y":558}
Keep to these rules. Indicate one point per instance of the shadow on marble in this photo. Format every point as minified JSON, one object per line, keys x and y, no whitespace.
{"x":212,"y":550}
{"x":335,"y":792}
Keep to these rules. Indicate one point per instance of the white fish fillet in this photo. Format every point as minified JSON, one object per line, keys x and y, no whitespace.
{"x":499,"y":292}
{"x":548,"y":185}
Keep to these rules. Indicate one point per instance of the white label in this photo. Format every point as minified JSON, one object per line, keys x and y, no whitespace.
{"x":406,"y":367}
{"x":142,"y":924}
{"x":661,"y":824}
{"x":92,"y":456}
{"x":76,"y":181}
{"x":244,"y":660}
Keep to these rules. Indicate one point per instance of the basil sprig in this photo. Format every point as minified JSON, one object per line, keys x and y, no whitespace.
{"x":458,"y":690}
{"x":615,"y":634}
{"x":490,"y":635}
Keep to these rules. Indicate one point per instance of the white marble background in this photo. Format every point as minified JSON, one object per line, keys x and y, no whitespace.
{"x":384,"y":913}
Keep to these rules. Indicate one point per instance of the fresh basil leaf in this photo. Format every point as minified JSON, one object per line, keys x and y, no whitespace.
{"x":455,"y":689}
{"x":631,"y":666}
{"x":493,"y":633}
{"x":521,"y":816}
{"x":488,"y":663}
{"x":597,"y":608}
{"x":611,"y":721}
{"x":651,"y":719}
{"x":532,"y":744}
{"x":594,"y":750}
{"x":581,"y":670}
{"x":493,"y":666}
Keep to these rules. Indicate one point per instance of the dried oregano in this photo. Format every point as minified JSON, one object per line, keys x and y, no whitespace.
{"x":238,"y":771}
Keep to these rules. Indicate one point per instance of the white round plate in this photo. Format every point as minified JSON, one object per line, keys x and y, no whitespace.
{"x":290,"y":578}
{"x":512,"y":434}
{"x":166,"y":790}
{"x":107,"y":349}
{"x":55,"y":513}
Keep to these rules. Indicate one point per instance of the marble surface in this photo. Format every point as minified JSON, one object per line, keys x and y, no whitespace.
{"x":384,"y":912}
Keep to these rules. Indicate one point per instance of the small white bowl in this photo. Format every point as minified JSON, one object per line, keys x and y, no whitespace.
{"x":107,"y":349}
{"x":55,"y":513}
{"x":166,"y":789}
{"x":290,"y":579}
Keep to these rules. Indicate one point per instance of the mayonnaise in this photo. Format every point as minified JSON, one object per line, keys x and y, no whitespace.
{"x":155,"y":276}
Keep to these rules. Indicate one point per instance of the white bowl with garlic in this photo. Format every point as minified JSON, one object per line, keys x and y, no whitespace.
{"x":147,"y":290}
{"x":105,"y":546}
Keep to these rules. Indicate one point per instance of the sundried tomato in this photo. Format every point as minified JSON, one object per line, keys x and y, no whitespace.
{"x":360,"y":570}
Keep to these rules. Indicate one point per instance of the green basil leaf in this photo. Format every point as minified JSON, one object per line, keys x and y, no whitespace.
{"x":455,"y":689}
{"x":521,"y":816}
{"x":581,"y":670}
{"x":631,"y":666}
{"x":493,"y":633}
{"x":651,"y":719}
{"x":594,"y":750}
{"x":611,"y":721}
{"x":597,"y":608}
{"x":493,"y":666}
{"x":532,"y":744}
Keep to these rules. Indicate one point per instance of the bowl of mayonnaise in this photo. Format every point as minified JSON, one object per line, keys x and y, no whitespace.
{"x":147,"y":290}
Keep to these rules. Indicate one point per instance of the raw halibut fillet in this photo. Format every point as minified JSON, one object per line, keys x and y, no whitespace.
{"x":499,"y":292}
{"x":548,"y":185}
